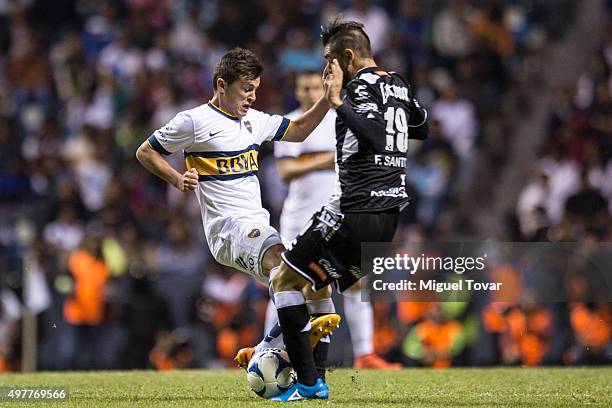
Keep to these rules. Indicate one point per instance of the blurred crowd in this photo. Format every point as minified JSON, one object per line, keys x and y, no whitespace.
{"x":113,"y":262}
{"x":569,"y":193}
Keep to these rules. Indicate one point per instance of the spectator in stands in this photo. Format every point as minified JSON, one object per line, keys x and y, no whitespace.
{"x":178,"y":262}
{"x":524,"y":332}
{"x":587,"y":209}
{"x":84,"y":309}
{"x":530,"y":207}
{"x":490,"y":32}
{"x":411,"y":30}
{"x":452,"y":36}
{"x":374,"y":18}
{"x":430,"y":172}
{"x":592,"y":326}
{"x":10,"y":313}
{"x":435,"y":340}
{"x":459,"y":126}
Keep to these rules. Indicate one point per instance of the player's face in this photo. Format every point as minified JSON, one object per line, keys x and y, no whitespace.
{"x":240,"y":95}
{"x":308,"y":90}
{"x":343,"y":61}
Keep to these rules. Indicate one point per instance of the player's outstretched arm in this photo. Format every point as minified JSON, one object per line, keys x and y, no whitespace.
{"x":155,"y":163}
{"x":303,"y":126}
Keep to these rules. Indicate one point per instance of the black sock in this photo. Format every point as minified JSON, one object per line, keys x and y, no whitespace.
{"x":320,"y":352}
{"x":293,"y":319}
{"x":320,"y":357}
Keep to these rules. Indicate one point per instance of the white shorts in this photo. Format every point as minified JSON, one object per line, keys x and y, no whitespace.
{"x":241,"y":244}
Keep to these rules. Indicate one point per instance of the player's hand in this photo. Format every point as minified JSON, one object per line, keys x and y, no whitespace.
{"x":332,"y":83}
{"x":188,"y":180}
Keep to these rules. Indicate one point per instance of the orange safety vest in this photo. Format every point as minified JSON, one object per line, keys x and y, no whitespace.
{"x":90,"y":274}
{"x":591,"y":326}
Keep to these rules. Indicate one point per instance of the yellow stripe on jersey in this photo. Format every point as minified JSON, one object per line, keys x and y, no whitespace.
{"x":224,"y":165}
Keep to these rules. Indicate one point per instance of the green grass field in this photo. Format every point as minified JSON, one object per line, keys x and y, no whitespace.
{"x":504,"y":387}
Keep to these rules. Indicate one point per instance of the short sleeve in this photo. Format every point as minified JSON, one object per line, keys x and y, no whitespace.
{"x":176,"y":135}
{"x":271,"y":127}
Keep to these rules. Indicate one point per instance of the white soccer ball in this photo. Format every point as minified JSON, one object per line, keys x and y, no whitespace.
{"x":270,"y":373}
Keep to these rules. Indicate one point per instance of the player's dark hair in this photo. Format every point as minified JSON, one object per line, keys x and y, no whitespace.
{"x":236,"y":63}
{"x":340,"y":34}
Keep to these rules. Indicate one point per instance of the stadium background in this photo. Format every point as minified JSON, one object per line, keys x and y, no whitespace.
{"x":520,"y":100}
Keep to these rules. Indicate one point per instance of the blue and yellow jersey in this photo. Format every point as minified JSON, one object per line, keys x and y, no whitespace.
{"x":224,"y":150}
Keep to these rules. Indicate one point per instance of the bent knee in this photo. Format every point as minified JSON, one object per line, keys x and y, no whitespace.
{"x":271,"y":258}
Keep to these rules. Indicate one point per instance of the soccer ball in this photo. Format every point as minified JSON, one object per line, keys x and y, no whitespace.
{"x":270,"y":373}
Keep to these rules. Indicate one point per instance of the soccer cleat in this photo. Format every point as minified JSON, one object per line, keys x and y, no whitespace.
{"x":322,"y":326}
{"x":244,"y":356}
{"x":373,"y":361}
{"x":300,"y":392}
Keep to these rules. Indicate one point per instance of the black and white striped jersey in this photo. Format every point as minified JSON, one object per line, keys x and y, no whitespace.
{"x":378,"y":115}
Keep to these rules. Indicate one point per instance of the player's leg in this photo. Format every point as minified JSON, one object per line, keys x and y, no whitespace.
{"x":318,"y":308}
{"x":294,"y":321}
{"x":309,"y":262}
{"x":322,"y":324}
{"x":323,"y":321}
{"x":254,"y":249}
{"x":360,"y":319}
{"x":271,"y":317}
{"x":269,"y":260}
{"x":295,"y":324}
{"x":322,"y":310}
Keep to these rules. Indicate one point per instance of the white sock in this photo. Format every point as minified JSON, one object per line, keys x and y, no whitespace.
{"x":274,"y":335}
{"x":359,"y":316}
{"x":271,"y":316}
{"x":320,"y":306}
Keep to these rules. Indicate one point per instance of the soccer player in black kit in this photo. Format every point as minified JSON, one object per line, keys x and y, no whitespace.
{"x":376,"y":117}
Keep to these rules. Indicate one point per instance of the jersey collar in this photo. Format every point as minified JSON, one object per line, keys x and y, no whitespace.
{"x":222,"y":112}
{"x":365,"y":70}
{"x":368,"y":69}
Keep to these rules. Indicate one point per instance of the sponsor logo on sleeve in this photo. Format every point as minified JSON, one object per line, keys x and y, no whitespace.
{"x":254,"y":233}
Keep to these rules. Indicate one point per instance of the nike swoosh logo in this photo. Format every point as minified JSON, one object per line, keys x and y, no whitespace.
{"x":216,"y":133}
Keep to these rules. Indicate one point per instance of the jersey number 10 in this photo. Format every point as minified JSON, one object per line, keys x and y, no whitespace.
{"x":397,"y":129}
